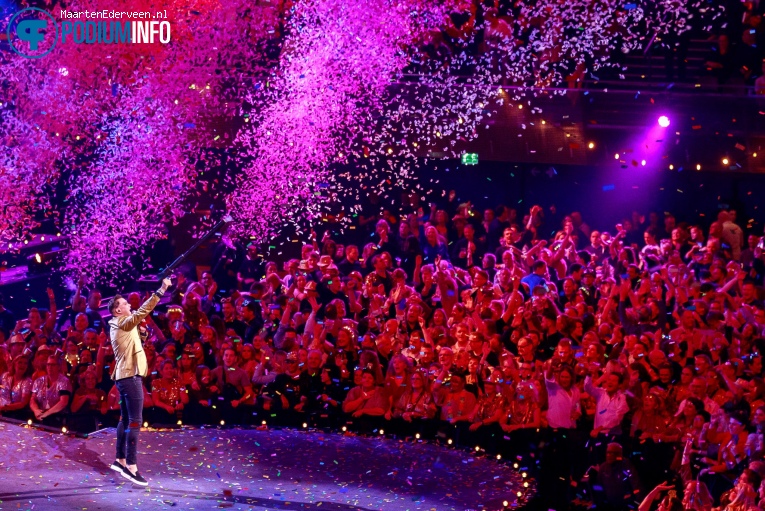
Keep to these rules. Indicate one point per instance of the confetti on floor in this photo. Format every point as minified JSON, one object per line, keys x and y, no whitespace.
{"x":247,"y":469}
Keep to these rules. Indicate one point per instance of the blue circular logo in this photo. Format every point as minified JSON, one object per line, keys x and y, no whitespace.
{"x":29,"y":33}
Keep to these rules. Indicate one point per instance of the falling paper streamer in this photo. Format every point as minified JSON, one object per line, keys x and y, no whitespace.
{"x":337,"y":100}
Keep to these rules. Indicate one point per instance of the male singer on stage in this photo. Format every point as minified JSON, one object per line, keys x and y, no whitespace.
{"x":130,"y":368}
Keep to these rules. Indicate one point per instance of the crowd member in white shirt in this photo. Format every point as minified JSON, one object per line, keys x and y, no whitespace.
{"x":732,"y":235}
{"x":563,"y":397}
{"x":611,"y":403}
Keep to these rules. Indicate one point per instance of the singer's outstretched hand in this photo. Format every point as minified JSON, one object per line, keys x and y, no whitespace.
{"x":166,"y":283}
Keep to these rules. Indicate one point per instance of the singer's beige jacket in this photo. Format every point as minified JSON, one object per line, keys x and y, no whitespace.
{"x":129,"y":357}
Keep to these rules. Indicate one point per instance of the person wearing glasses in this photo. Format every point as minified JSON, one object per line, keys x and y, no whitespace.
{"x":51,"y":394}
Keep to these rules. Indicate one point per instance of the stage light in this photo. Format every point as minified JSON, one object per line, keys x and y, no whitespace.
{"x":505,"y":503}
{"x":38,"y":263}
{"x":754,"y":155}
{"x":63,"y":430}
{"x":698,"y":166}
{"x":417,"y":436}
{"x":145,"y":424}
{"x":382,"y":432}
{"x":523,"y":475}
{"x":671,"y":167}
{"x":29,"y":422}
{"x":305,"y":425}
{"x":725,"y":161}
{"x":263,"y":423}
{"x":643,"y":163}
{"x":43,"y":262}
{"x":345,"y":429}
{"x":591,"y":145}
{"x":515,"y":465}
{"x":664,"y":121}
{"x":499,"y":456}
{"x":616,"y":156}
{"x":477,"y":448}
{"x":222,"y":423}
{"x":449,"y":441}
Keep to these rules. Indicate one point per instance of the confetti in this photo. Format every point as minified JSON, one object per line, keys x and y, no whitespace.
{"x":322,"y":95}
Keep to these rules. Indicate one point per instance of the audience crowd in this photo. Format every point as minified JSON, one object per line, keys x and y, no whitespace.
{"x":619,"y":367}
{"x":707,"y":42}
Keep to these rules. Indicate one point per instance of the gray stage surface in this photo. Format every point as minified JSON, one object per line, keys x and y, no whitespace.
{"x":248,"y":469}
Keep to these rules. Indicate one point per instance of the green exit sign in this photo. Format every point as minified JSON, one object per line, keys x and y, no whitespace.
{"x":470,"y":158}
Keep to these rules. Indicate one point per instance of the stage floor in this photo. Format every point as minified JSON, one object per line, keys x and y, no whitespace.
{"x":248,"y":469}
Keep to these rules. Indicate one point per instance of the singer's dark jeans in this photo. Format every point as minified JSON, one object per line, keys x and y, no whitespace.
{"x":131,"y":407}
